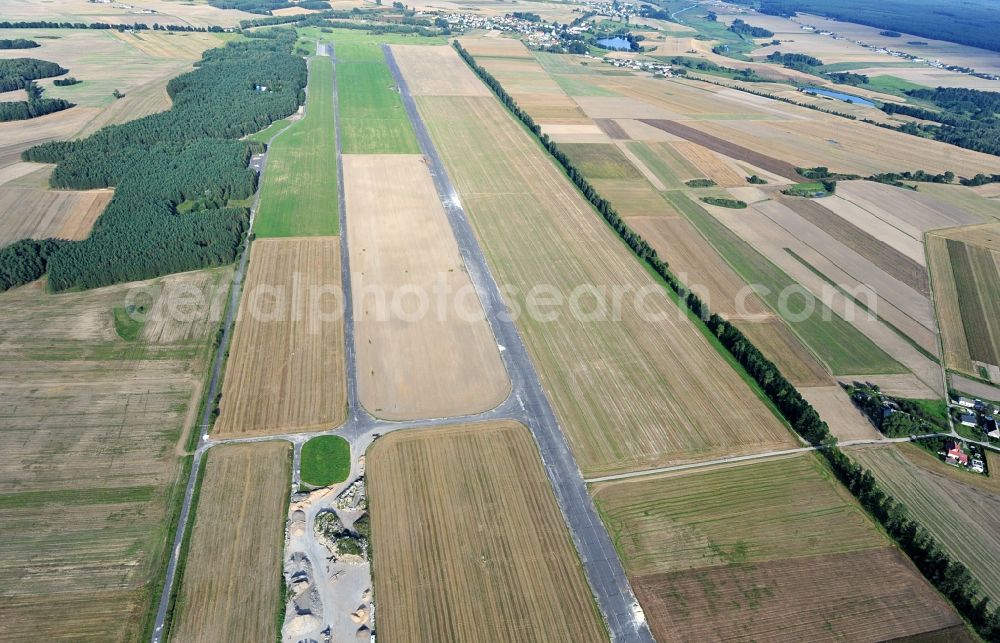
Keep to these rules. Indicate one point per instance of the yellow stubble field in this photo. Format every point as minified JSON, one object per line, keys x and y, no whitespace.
{"x":469,"y":542}
{"x":638,"y":388}
{"x":230,"y":589}
{"x":286,"y":365}
{"x":423,"y":343}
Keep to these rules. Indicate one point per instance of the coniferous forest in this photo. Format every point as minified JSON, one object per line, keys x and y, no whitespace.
{"x":156,"y":163}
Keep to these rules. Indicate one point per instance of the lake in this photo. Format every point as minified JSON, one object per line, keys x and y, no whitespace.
{"x":615,"y":43}
{"x":847,"y":98}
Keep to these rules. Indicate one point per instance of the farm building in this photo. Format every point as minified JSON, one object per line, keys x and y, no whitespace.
{"x":968,"y":419}
{"x":966,"y":402}
{"x":955,"y":455}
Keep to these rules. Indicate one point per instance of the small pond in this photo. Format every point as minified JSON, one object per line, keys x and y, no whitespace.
{"x":615,"y":43}
{"x":847,"y":98}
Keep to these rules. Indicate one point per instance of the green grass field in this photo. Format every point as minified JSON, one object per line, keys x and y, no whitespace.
{"x":373,"y":120}
{"x":770,"y":510}
{"x":299,"y":194}
{"x":326,"y":460}
{"x":891,"y":85}
{"x":265,"y":135}
{"x":843,"y":348}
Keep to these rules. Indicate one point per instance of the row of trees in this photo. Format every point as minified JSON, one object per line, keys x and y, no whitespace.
{"x":951,"y":577}
{"x":21,"y":110}
{"x":157,"y":163}
{"x":18,"y":43}
{"x":119,"y":26}
{"x":16,"y":73}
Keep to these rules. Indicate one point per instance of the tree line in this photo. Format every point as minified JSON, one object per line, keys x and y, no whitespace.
{"x":156,"y":163}
{"x":968,"y":118}
{"x":20,"y":110}
{"x":17,"y":43}
{"x":16,"y":73}
{"x":950,"y":577}
{"x":119,"y":26}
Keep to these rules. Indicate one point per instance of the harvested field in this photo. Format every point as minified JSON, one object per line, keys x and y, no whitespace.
{"x":575,"y":133}
{"x":413,"y":362}
{"x":436,"y":72}
{"x":231,"y":586}
{"x":843,"y":264}
{"x":634,"y":198}
{"x":835,"y":407}
{"x":494,"y":47}
{"x":666,"y":162}
{"x":17,"y":136}
{"x":911,"y":212}
{"x":975,"y":388}
{"x":632,"y":391}
{"x":19,"y":170}
{"x":701,"y":269}
{"x":612,"y":128}
{"x":985,"y":236}
{"x":105,"y":60}
{"x":784,"y":507}
{"x":372,"y":117}
{"x":727,"y":148}
{"x":286,"y":366}
{"x":600,"y":161}
{"x":858,"y":147}
{"x":33,"y":213}
{"x":770,"y":550}
{"x":841,"y":347}
{"x":579,"y":85}
{"x":877,"y":224}
{"x":89,"y":476}
{"x":713,"y":166}
{"x":871,"y":595}
{"x":893,"y":262}
{"x":780,"y":345}
{"x":977,"y":279}
{"x":298,"y":196}
{"x":167,"y":12}
{"x":948,"y":305}
{"x":489,"y":525}
{"x":962,"y":510}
